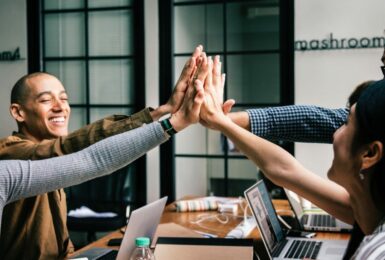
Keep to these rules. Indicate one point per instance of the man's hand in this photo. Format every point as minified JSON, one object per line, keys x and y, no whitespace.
{"x":185,"y":78}
{"x":189,"y":111}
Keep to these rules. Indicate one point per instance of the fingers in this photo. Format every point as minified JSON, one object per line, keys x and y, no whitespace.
{"x":198,"y":51}
{"x":223,"y":77}
{"x":186,"y":73}
{"x":199,"y":96}
{"x":194,"y":74}
{"x":217,"y":70}
{"x":203,"y":68}
{"x":190,"y":65}
{"x":209,"y":77}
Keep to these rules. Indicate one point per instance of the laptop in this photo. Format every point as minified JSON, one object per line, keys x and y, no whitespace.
{"x":143,"y":222}
{"x":275,"y":240}
{"x":315,"y":221}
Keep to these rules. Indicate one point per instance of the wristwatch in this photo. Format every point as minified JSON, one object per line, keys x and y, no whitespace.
{"x":167,"y":127}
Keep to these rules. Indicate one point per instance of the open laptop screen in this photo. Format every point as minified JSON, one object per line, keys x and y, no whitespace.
{"x":260,"y":203}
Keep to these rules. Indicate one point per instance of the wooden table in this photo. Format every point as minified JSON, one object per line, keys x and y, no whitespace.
{"x":185,"y":219}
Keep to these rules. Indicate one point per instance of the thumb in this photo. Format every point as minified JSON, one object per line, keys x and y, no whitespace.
{"x":228,"y":105}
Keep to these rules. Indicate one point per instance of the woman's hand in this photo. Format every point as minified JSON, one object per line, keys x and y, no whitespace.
{"x":214,"y":110}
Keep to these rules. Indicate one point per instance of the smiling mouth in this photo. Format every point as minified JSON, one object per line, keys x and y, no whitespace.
{"x":58,"y":120}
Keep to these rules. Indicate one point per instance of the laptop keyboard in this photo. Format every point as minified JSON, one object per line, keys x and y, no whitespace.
{"x":300,"y":249}
{"x":109,"y":256}
{"x":323,"y":220}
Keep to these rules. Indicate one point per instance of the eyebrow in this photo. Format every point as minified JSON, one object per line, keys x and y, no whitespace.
{"x":49,"y":93}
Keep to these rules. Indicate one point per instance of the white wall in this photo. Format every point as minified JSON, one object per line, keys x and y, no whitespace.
{"x":327,"y":77}
{"x":13,"y":34}
{"x":152,"y":90}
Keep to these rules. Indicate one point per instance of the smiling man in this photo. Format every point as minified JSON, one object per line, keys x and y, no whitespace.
{"x":35,"y":228}
{"x":43,"y":111}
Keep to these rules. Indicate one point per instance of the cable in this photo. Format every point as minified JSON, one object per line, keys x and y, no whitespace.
{"x":284,"y":222}
{"x":203,"y":217}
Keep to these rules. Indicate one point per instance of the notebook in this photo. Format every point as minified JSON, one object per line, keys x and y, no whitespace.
{"x":142,"y":222}
{"x":315,"y":221}
{"x":275,"y":240}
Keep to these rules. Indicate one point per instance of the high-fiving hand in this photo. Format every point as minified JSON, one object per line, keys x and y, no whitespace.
{"x":213,"y":106}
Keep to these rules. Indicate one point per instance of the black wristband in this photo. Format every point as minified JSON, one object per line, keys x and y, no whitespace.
{"x":167,"y":127}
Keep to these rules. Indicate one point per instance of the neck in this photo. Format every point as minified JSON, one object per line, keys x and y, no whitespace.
{"x":365,"y":211}
{"x":24,"y":131}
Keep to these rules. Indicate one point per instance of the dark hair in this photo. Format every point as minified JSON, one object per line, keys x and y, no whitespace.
{"x":354,"y":96}
{"x":370,"y":114}
{"x":20,"y":89}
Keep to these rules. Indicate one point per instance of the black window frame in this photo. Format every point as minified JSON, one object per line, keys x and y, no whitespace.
{"x":36,"y":59}
{"x":166,"y":60}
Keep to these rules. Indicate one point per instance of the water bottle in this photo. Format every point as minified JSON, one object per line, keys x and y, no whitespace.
{"x":142,"y":250}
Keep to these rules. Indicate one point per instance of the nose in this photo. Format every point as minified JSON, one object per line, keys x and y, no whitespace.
{"x":337,"y":132}
{"x":58,"y":104}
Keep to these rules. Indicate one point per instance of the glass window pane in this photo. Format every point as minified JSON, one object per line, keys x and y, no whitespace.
{"x":108,"y":3}
{"x":110,"y":33}
{"x":253,"y":78}
{"x":78,"y":118}
{"x":62,"y":4}
{"x":64,"y":35}
{"x":99,"y":113}
{"x":242,"y":174}
{"x":72,"y":75}
{"x":204,"y":141}
{"x":112,"y":82}
{"x":193,"y":175}
{"x":198,"y":24}
{"x":252,"y":26}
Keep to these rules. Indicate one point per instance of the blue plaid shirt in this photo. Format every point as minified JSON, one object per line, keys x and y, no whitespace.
{"x":297,"y":123}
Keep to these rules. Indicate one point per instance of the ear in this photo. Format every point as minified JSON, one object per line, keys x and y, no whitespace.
{"x":372,"y":155}
{"x":17,"y":112}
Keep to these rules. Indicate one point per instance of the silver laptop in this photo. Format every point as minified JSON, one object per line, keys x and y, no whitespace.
{"x":277,"y":244}
{"x":143,"y":222}
{"x":315,"y":221}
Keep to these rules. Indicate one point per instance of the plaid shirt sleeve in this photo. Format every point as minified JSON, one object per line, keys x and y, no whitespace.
{"x":297,"y":123}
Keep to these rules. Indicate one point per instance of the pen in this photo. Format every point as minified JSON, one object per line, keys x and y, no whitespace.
{"x":208,"y":235}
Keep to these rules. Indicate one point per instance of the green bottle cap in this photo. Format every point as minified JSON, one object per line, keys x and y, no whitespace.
{"x":142,"y":241}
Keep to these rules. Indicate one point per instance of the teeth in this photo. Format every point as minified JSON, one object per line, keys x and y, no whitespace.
{"x":57,"y":119}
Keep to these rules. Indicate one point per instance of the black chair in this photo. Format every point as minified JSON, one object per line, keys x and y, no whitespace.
{"x":111,"y":193}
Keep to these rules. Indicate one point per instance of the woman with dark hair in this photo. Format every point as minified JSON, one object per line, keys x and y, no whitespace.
{"x":356,"y":188}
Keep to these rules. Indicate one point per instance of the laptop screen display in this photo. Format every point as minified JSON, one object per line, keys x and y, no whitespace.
{"x":260,"y":203}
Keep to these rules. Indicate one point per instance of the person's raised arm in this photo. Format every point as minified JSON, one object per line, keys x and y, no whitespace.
{"x":20,"y":179}
{"x":277,"y":164}
{"x":294,"y":123}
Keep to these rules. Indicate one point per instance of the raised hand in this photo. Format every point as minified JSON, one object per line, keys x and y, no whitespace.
{"x":185,"y":78}
{"x":189,"y":111}
{"x":214,"y":87}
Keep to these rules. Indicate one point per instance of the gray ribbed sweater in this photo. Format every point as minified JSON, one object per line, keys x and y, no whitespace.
{"x":20,"y":179}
